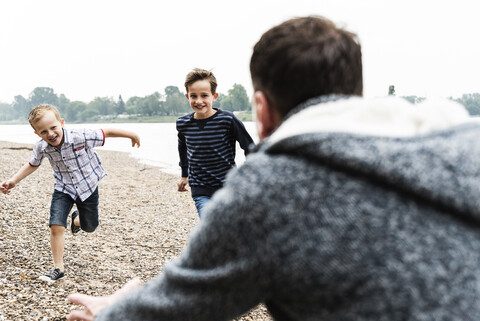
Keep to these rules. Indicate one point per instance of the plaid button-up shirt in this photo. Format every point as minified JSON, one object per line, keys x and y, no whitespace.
{"x":76,"y":166}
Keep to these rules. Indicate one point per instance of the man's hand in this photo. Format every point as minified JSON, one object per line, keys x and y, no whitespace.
{"x":92,"y":305}
{"x":181,"y":185}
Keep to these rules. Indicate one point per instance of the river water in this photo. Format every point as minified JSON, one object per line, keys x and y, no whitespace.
{"x":158,"y":141}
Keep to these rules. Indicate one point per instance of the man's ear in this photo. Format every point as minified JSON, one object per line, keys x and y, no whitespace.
{"x":267,"y":118}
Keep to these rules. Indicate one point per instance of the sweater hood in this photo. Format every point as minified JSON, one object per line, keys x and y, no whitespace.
{"x":429,"y":150}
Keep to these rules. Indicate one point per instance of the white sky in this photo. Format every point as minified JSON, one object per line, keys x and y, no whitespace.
{"x":103,"y":48}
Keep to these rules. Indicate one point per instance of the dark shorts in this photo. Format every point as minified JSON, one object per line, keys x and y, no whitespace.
{"x":62,"y":205}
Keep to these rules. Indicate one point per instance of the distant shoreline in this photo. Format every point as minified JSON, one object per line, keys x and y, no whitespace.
{"x":242,"y":115}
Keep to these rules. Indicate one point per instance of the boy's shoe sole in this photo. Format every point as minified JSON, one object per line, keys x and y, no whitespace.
{"x":74,"y":228}
{"x":53,"y":276}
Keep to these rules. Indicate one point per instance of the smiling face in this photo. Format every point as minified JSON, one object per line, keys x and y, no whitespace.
{"x":201,"y":99}
{"x":50,"y":129}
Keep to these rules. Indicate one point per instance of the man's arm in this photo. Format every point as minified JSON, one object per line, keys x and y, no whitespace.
{"x":23,"y":172}
{"x":222,"y":273}
{"x":117,"y":132}
{"x":94,"y":304}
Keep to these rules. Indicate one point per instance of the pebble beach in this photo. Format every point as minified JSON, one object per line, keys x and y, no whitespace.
{"x":144,"y":223}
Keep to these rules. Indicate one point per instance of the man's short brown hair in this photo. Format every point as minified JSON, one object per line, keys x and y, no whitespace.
{"x":201,"y":74}
{"x":304,"y":58}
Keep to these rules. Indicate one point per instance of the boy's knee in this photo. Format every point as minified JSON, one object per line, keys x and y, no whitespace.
{"x":57,"y":229}
{"x":89,"y":229}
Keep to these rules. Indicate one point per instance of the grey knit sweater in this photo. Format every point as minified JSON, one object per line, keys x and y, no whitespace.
{"x":333,"y":226}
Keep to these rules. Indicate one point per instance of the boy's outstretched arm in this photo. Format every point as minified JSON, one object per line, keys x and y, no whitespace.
{"x":23,"y":172}
{"x":117,"y":132}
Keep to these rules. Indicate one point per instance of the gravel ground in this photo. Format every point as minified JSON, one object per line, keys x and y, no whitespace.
{"x":144,"y":222}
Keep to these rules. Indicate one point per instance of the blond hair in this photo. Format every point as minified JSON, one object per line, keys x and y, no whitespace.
{"x":39,"y":111}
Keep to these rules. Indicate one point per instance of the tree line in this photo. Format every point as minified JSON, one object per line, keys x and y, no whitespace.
{"x":171,"y":103}
{"x":471,"y":102}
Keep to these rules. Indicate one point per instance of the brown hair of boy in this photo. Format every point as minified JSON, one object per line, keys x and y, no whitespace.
{"x":201,"y":74}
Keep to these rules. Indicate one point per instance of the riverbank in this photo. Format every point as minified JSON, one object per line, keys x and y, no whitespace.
{"x":244,"y":115}
{"x":144,"y":222}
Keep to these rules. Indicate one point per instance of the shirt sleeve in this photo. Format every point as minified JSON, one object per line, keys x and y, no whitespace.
{"x":182,"y":153}
{"x":94,"y":137}
{"x":241,"y":135}
{"x":37,"y":155}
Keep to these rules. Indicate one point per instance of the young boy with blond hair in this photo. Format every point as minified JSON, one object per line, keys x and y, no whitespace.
{"x":207,"y":139}
{"x":77,"y":170}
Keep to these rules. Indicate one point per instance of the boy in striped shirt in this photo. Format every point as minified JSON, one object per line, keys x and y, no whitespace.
{"x":77,"y":170}
{"x":206,"y":139}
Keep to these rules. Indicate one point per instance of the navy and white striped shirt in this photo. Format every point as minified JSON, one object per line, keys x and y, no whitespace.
{"x":207,"y":149}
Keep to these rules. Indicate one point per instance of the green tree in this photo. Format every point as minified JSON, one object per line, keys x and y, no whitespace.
{"x":73,"y":111}
{"x":227,"y":103}
{"x":391,"y":90}
{"x":43,"y":95}
{"x":7,"y":112}
{"x":120,"y":106}
{"x":150,"y":105}
{"x":103,"y":105}
{"x":88,"y":114}
{"x":172,"y":90}
{"x":240,"y":99}
{"x":236,"y":99}
{"x":131,"y":105}
{"x":175,"y":102}
{"x":62,"y":104}
{"x":471,"y":103}
{"x":21,"y":107}
{"x":413,"y":99}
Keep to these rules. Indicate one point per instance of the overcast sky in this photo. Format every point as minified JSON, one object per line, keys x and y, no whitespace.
{"x":105,"y":48}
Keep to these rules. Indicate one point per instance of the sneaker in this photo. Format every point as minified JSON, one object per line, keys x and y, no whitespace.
{"x":52,"y":276}
{"x":75,"y":229}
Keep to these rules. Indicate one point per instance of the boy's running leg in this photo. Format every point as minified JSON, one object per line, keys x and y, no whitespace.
{"x":57,"y":243}
{"x":88,"y":212}
{"x":59,"y":210}
{"x":75,"y":225}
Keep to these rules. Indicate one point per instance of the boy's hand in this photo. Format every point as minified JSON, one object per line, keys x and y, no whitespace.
{"x":181,"y":185}
{"x":135,"y":141}
{"x":6,"y":186}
